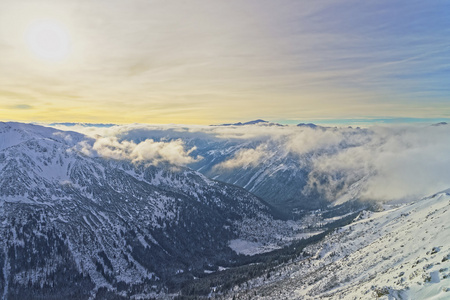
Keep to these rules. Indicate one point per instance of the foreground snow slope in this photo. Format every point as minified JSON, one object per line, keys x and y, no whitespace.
{"x":400,"y":253}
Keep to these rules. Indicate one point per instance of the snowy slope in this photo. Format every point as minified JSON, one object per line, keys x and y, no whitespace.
{"x":400,"y":253}
{"x":75,"y":226}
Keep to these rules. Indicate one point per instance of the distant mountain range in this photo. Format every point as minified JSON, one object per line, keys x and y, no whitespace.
{"x":261,"y":122}
{"x":83,"y":124}
{"x":254,"y":122}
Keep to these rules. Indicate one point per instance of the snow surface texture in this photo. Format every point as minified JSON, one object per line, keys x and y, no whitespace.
{"x":400,"y":253}
{"x":112,"y":223}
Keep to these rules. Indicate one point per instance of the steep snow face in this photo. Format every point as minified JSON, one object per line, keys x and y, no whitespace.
{"x":78,"y":224}
{"x":400,"y":253}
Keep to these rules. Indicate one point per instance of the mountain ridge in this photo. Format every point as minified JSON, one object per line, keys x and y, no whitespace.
{"x":120,"y":228}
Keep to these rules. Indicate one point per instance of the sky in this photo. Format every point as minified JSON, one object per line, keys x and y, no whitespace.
{"x":211,"y":62}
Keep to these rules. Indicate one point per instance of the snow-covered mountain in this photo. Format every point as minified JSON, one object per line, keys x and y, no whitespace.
{"x":278,"y":176}
{"x":308,"y":167}
{"x":275,"y":163}
{"x":80,"y":226}
{"x":400,"y":253}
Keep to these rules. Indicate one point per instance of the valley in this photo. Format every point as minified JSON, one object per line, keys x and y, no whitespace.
{"x":81,"y":224}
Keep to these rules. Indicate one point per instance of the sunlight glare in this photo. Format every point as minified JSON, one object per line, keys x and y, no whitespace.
{"x":48,"y":40}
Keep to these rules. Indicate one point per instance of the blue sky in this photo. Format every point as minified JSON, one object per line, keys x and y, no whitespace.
{"x":209,"y":62}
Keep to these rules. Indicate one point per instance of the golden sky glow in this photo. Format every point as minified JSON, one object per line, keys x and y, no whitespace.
{"x":209,"y":62}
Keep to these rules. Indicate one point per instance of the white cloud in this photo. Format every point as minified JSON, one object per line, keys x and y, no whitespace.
{"x":146,"y":151}
{"x":379,"y":163}
{"x":245,"y":158}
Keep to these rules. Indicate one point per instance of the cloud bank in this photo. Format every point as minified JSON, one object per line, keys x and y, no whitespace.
{"x":386,"y":163}
{"x":381,"y":163}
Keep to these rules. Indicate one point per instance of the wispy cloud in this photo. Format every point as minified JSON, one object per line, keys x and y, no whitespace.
{"x":21,"y":106}
{"x":245,"y":158}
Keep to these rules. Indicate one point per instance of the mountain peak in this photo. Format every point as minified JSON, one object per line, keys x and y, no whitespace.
{"x":253,"y":122}
{"x":14,"y":133}
{"x":258,"y":121}
{"x":310,"y":125}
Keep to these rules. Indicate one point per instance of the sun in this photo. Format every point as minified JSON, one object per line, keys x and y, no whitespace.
{"x":48,"y":40}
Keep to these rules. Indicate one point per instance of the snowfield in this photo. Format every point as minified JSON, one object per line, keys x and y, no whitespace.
{"x":400,"y":253}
